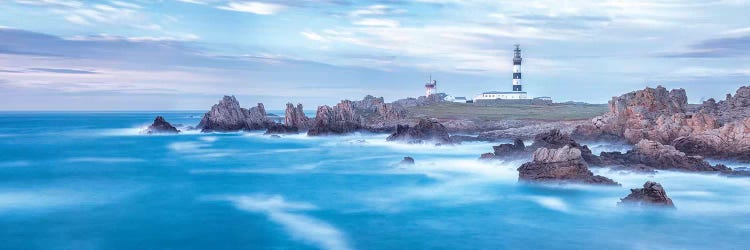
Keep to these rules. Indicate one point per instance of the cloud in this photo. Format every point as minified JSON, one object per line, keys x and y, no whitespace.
{"x":63,"y":71}
{"x":738,"y":46}
{"x":299,"y":226}
{"x":377,"y":22}
{"x":313,"y":36}
{"x":258,"y":8}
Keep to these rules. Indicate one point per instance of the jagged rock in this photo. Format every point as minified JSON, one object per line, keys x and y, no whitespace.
{"x":278,"y":128}
{"x":161,"y":126}
{"x":652,"y":194}
{"x":717,"y":129}
{"x":227,"y":115}
{"x":659,"y":156}
{"x":407,"y":161}
{"x":370,"y":113}
{"x":425,"y":130}
{"x":339,"y":119}
{"x":294,"y":117}
{"x":560,"y":165}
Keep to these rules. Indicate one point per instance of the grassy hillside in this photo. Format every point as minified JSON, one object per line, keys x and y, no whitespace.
{"x":555,"y":112}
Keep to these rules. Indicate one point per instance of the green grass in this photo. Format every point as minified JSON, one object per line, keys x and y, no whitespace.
{"x":556,"y":112}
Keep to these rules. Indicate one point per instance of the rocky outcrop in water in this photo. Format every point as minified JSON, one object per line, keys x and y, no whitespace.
{"x":425,"y":131}
{"x":717,"y":129}
{"x":339,"y":119}
{"x":652,"y":194}
{"x":560,"y":165}
{"x":658,"y":156}
{"x":556,"y":139}
{"x":515,"y":149}
{"x":227,"y":115}
{"x":370,"y":113}
{"x":161,"y":126}
{"x":407,"y":161}
{"x":294,"y":117}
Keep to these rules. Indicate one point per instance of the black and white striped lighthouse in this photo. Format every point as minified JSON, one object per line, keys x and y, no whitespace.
{"x":517,"y":69}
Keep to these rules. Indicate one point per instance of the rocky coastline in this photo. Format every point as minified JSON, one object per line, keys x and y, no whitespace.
{"x":664,"y":133}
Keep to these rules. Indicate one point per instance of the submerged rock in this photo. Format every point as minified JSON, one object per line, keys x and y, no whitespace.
{"x":161,"y":126}
{"x":652,"y":194}
{"x":425,"y":130}
{"x":560,"y":165}
{"x":227,"y":115}
{"x":278,"y":128}
{"x":407,"y":161}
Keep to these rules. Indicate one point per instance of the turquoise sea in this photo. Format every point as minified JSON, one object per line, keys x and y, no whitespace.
{"x":90,"y":180}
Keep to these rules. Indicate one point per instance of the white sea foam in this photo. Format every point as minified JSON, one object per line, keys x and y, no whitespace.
{"x":287,"y":214}
{"x":553,"y":203}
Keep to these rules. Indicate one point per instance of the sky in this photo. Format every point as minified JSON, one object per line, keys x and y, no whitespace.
{"x":187,"y":54}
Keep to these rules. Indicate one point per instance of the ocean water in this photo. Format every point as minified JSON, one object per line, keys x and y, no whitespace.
{"x":91,"y":181}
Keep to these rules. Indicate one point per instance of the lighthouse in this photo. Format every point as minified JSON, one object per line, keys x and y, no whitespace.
{"x":430,"y":87}
{"x":517,"y":69}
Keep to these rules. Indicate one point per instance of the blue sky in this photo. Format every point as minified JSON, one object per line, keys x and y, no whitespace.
{"x":186,"y":54}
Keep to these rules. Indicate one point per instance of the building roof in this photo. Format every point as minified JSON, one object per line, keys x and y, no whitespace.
{"x":460,"y":97}
{"x":505,"y":92}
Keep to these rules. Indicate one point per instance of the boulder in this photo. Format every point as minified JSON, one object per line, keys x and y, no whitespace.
{"x":425,"y":131}
{"x":227,"y":115}
{"x":652,"y":194}
{"x":556,"y":139}
{"x":161,"y":126}
{"x":560,"y":165}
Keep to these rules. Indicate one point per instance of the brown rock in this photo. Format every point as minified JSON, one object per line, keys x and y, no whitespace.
{"x":425,"y":131}
{"x":559,"y":165}
{"x":652,"y":194}
{"x":161,"y":126}
{"x":227,"y":115}
{"x":295,"y":117}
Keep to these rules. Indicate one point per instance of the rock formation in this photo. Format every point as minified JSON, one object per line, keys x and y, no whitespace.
{"x":339,"y":119}
{"x":658,"y":156}
{"x":161,"y":126}
{"x":407,"y":161}
{"x":515,"y":149}
{"x":660,"y":115}
{"x":425,"y":131}
{"x":560,"y":165}
{"x":370,"y":113}
{"x":227,"y":115}
{"x":652,"y":194}
{"x":294,"y":117}
{"x":556,"y":139}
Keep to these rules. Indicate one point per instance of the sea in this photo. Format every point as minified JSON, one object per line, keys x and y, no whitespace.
{"x":93,"y":180}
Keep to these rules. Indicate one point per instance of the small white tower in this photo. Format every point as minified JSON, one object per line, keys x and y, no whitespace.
{"x":430,"y":87}
{"x":517,"y":69}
